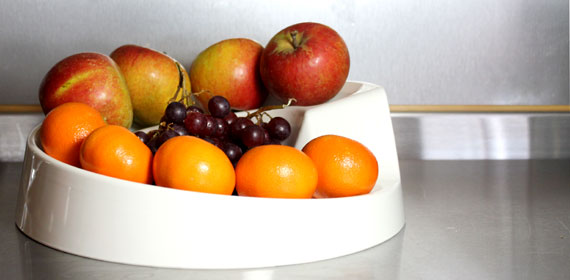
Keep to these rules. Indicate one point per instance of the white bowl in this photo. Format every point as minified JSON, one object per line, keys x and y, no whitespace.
{"x":109,"y":219}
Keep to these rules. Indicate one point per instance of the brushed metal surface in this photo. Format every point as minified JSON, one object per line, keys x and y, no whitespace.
{"x":464,"y":220}
{"x":422,"y":52}
{"x":15,"y":130}
{"x":482,"y":136}
{"x":430,"y":136}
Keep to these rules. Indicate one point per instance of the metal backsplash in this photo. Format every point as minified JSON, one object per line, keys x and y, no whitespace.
{"x":435,"y":136}
{"x":475,"y":136}
{"x":422,"y":52}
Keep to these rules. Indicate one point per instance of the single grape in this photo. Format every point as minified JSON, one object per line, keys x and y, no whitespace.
{"x":252,"y":136}
{"x":279,"y":128}
{"x":238,"y":126}
{"x":219,"y":143}
{"x":152,"y":133}
{"x":153,"y":144}
{"x":195,"y":123}
{"x":215,"y":141}
{"x":230,"y":118}
{"x":274,"y":141}
{"x":210,"y":126}
{"x":175,"y":112}
{"x":218,"y":106}
{"x":194,"y":108}
{"x":266,"y":137}
{"x":233,"y":151}
{"x":179,"y":129}
{"x":166,"y":135}
{"x":142,"y":136}
{"x":221,"y":129}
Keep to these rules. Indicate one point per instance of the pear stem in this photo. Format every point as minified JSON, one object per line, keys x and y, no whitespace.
{"x":186,"y":97}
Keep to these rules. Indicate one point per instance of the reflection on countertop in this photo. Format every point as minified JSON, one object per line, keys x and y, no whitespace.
{"x":500,"y":219}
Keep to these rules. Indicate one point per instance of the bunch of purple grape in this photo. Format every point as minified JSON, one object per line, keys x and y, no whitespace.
{"x":232,"y":134}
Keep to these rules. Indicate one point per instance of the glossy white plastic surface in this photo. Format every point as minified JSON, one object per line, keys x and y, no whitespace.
{"x":104,"y":218}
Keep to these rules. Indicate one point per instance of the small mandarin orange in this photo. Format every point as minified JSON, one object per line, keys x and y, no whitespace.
{"x":193,"y":164}
{"x":115,"y":151}
{"x":64,"y":129}
{"x":276,"y":171}
{"x":345,"y":166}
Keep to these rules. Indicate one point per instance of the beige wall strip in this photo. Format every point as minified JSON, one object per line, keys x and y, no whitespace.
{"x":20,"y":108}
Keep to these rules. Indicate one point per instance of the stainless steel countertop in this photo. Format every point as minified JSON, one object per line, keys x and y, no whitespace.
{"x":503,"y":219}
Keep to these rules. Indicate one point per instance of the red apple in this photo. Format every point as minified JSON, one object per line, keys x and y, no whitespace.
{"x":152,"y":78}
{"x":90,"y":78}
{"x":230,"y":68}
{"x":306,"y":61}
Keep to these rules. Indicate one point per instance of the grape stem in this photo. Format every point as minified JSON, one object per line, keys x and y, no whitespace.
{"x":262,"y":111}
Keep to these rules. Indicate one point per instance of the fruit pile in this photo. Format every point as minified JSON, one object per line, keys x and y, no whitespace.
{"x":219,"y":126}
{"x":308,"y":62}
{"x":212,"y":132}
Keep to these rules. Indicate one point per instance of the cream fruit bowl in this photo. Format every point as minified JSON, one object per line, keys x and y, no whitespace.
{"x":104,"y":218}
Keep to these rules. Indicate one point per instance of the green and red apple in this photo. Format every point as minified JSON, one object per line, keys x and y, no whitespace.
{"x":229,"y":68}
{"x":152,"y":78}
{"x":90,"y":78}
{"x":306,"y":61}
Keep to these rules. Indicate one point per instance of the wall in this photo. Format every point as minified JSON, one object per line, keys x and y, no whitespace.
{"x":422,"y":52}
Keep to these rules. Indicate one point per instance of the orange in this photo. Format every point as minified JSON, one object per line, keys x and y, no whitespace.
{"x":64,"y":129}
{"x":276,"y":171}
{"x":345,"y":166}
{"x":115,"y":151}
{"x":193,"y":164}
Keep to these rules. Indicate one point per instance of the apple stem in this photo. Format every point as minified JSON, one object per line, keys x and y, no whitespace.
{"x":294,"y":39}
